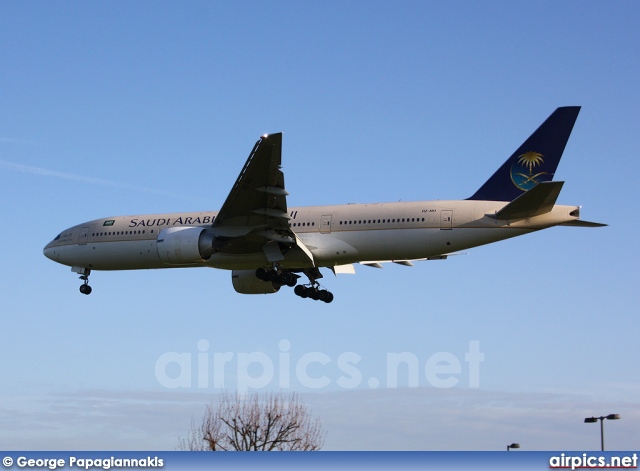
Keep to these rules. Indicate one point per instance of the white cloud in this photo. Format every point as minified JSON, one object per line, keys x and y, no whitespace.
{"x":81,"y":178}
{"x":385,"y":419}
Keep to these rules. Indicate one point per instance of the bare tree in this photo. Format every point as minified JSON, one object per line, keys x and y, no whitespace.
{"x":271,"y":422}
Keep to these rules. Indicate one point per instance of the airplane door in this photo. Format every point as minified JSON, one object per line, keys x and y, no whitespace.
{"x":84,"y":235}
{"x":325,"y":224}
{"x":446,"y":219}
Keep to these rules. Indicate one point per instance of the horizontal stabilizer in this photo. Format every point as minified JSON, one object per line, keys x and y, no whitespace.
{"x":579,"y":223}
{"x":538,"y":200}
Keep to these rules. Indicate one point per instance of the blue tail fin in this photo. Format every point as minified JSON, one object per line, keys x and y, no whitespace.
{"x":535,"y":160}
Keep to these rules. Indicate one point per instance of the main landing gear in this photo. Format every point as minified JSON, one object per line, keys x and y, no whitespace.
{"x":286,"y":278}
{"x":279,"y":277}
{"x":314,"y":292}
{"x":84,"y":276}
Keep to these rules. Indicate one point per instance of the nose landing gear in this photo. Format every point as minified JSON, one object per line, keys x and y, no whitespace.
{"x":84,"y":276}
{"x":85,"y":288}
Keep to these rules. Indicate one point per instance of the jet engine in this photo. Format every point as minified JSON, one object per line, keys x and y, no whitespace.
{"x":185,"y":245}
{"x":246,"y":282}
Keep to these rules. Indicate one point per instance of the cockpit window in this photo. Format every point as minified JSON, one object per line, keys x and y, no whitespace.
{"x":57,"y":237}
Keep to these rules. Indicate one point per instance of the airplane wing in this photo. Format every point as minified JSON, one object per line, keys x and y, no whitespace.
{"x":258,"y":197}
{"x":254,"y":216}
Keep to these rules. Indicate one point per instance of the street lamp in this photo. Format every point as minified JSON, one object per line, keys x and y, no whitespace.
{"x":513,"y":445}
{"x":591,"y":420}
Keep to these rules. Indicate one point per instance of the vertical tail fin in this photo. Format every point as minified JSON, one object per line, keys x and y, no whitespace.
{"x":535,"y":160}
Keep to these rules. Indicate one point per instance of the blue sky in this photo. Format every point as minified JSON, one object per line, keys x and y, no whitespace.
{"x":131,"y":108}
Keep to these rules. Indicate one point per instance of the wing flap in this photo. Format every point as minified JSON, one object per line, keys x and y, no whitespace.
{"x":408,"y":263}
{"x":343,"y":270}
{"x":304,"y":249}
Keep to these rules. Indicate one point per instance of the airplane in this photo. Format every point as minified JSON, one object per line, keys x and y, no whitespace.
{"x":267,"y":244}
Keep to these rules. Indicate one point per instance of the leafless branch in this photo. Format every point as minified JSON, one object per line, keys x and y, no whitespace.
{"x":269,"y":422}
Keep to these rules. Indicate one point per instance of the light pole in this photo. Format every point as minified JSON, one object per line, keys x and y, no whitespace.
{"x":513,"y":445}
{"x":591,"y":420}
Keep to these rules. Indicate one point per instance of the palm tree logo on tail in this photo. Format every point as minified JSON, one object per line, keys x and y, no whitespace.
{"x":522,"y":170}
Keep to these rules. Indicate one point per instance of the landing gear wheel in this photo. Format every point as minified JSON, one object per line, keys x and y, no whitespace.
{"x":300,"y":291}
{"x":287,"y":279}
{"x":314,"y":293}
{"x":85,"y":272}
{"x":312,"y":290}
{"x":261,"y":274}
{"x":278,"y":276}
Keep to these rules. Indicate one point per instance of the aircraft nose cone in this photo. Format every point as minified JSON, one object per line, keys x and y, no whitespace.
{"x":51,"y":252}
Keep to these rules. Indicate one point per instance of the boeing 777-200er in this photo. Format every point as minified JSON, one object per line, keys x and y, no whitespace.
{"x":267,"y":244}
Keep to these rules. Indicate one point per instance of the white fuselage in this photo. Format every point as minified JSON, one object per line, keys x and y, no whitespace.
{"x":335,"y":235}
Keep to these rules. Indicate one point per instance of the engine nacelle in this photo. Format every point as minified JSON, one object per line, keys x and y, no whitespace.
{"x":185,"y":245}
{"x":246,"y":282}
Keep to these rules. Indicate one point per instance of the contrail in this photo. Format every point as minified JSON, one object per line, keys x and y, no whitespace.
{"x":81,"y":178}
